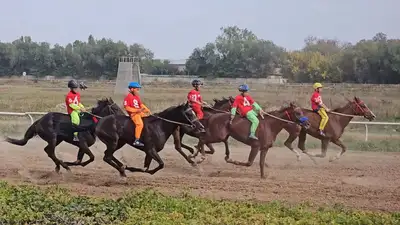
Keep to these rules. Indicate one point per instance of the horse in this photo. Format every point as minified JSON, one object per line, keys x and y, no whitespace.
{"x":339,"y":118}
{"x":220,"y":106}
{"x":116,"y":131}
{"x":55,"y":127}
{"x":219,"y":130}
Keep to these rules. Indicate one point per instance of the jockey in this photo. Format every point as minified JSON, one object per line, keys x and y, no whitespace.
{"x":74,"y":105}
{"x":245,"y":103}
{"x":136,"y":110}
{"x":319,"y":107}
{"x":195,"y":100}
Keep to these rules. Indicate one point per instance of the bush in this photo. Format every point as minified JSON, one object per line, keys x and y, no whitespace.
{"x":27,"y":204}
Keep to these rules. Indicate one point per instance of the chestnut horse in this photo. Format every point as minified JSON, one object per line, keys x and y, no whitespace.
{"x":218,"y":129}
{"x":338,"y":120}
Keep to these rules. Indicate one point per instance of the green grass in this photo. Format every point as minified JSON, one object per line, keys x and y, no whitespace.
{"x":28,"y":205}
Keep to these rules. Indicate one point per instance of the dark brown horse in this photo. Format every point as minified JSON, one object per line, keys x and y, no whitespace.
{"x":220,"y":106}
{"x":116,"y":131}
{"x":218,"y":130}
{"x":55,"y":127}
{"x":338,"y":120}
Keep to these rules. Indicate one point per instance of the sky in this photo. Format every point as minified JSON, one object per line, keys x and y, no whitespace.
{"x":173,"y":28}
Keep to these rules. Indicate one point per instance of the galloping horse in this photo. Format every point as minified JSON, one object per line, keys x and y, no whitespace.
{"x":55,"y":127}
{"x":338,"y":120}
{"x":220,"y":106}
{"x":116,"y":131}
{"x":219,"y":130}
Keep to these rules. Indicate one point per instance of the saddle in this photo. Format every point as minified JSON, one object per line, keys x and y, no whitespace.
{"x":87,"y":122}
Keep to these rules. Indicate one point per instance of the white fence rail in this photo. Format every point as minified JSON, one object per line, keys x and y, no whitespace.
{"x":29,"y":115}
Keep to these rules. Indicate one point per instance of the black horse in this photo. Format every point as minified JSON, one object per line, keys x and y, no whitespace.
{"x":116,"y":131}
{"x":220,"y":106}
{"x":55,"y":127}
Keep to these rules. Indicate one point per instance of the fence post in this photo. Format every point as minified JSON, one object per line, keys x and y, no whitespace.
{"x":30,"y":117}
{"x":366,"y":132}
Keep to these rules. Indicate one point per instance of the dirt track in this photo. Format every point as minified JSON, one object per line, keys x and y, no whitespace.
{"x":359,"y":179}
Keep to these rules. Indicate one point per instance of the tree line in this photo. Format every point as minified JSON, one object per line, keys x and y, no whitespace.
{"x":235,"y":52}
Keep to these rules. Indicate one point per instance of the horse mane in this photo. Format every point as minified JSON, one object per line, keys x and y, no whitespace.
{"x":106,"y":101}
{"x":223,"y":99}
{"x":164,"y":112}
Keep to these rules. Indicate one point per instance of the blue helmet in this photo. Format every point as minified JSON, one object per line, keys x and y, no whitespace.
{"x":244,"y":88}
{"x":134,"y":85}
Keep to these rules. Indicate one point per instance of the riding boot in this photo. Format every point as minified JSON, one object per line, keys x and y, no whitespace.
{"x":253,"y":136}
{"x":138,"y":143}
{"x":322,"y":133}
{"x":74,"y":128}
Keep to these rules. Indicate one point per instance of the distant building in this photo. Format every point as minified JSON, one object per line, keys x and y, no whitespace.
{"x":179,"y":64}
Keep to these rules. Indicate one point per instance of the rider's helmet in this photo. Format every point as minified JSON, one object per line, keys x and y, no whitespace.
{"x":196,"y":83}
{"x":73,"y":84}
{"x":134,"y":85}
{"x":244,"y":88}
{"x":317,"y":85}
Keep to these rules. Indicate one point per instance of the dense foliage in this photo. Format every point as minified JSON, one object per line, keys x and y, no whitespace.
{"x":235,"y":53}
{"x":28,"y":205}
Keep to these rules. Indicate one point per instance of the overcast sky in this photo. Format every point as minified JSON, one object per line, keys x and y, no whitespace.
{"x":173,"y":28}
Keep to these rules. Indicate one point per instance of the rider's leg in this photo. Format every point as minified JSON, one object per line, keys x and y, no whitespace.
{"x":252,"y":116}
{"x":324,"y":120}
{"x":137,"y":120}
{"x":75,"y":121}
{"x":199,"y":112}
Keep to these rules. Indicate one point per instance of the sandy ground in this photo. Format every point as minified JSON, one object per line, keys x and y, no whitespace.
{"x":359,"y":179}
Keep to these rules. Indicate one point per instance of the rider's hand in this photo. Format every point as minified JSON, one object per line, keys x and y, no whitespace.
{"x":142,"y":109}
{"x":230,"y":121}
{"x":83,"y":110}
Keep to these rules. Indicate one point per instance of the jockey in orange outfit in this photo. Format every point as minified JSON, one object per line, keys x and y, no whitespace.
{"x":136,"y":110}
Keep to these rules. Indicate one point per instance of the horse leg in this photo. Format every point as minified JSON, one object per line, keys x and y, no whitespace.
{"x":263,"y":154}
{"x":83,"y":149}
{"x":212,"y":150}
{"x":178,"y":147}
{"x":111,"y":160}
{"x":342,"y":146}
{"x":50,"y":150}
{"x":288,"y":144}
{"x":324,"y":148}
{"x":227,"y":151}
{"x":250,"y":160}
{"x":154,"y":155}
{"x":302,"y":140}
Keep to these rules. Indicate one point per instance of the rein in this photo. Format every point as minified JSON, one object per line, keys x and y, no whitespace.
{"x":171,"y":121}
{"x":275,"y":117}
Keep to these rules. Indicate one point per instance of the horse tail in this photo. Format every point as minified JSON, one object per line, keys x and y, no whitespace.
{"x":30,"y":133}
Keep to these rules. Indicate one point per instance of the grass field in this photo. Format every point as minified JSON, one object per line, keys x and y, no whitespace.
{"x":362,"y":179}
{"x":28,"y":205}
{"x":384,"y":101}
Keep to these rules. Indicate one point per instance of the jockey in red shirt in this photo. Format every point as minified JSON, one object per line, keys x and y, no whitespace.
{"x":245,"y":103}
{"x":319,"y":107}
{"x":195,"y":100}
{"x":74,"y":105}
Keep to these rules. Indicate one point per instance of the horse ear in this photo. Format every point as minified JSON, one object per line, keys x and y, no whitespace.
{"x":215,"y":100}
{"x":111,"y":100}
{"x":356,"y":99}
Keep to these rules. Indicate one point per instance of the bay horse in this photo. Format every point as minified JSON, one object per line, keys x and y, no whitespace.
{"x":339,"y":118}
{"x":56,"y":127}
{"x":220,"y":106}
{"x":219,"y":129}
{"x":116,"y":131}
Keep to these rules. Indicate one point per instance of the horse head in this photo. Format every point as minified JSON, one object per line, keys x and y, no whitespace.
{"x":361,"y":109}
{"x":295,"y":114}
{"x":105,"y":107}
{"x":224,"y":104}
